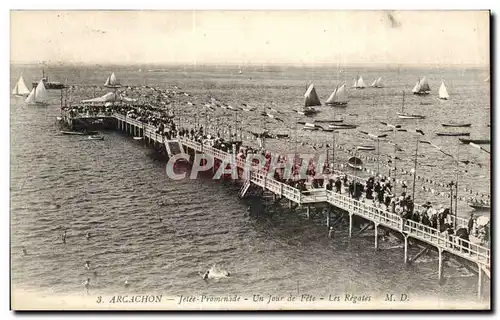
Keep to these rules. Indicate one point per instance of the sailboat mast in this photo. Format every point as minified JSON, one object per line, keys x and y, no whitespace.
{"x":403,"y":105}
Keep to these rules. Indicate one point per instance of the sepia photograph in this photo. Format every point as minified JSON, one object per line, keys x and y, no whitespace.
{"x":250,"y":160}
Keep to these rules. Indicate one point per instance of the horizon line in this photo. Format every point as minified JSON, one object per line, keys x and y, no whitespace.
{"x":273,"y":64}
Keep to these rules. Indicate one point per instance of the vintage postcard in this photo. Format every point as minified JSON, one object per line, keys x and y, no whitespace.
{"x":250,"y":160}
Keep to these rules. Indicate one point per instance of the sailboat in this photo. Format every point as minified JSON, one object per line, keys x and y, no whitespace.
{"x":38,"y":96}
{"x":112,"y":82}
{"x":443,"y":93}
{"x":377,"y":83}
{"x":422,"y":87}
{"x":487,"y":79}
{"x":311,"y":101}
{"x":338,"y":97}
{"x":404,"y":115}
{"x":21,"y":89}
{"x":359,"y":83}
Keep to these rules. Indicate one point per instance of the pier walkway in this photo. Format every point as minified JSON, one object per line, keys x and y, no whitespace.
{"x":450,"y":244}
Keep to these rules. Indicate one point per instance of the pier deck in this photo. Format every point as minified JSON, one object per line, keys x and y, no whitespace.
{"x":467,"y":250}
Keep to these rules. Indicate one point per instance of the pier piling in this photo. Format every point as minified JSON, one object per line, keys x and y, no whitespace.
{"x":376,"y":235}
{"x":440,"y":267}
{"x":406,"y":249}
{"x":350,"y":224}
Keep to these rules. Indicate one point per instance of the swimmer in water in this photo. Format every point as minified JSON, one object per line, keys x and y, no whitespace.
{"x":205,"y":276}
{"x":331,"y":233}
{"x":25,"y":252}
{"x":63,"y":237}
{"x":86,"y":283}
{"x":87,"y":265}
{"x":88,"y":236}
{"x":126,"y":284}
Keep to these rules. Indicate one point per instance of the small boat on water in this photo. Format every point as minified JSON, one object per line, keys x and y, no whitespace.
{"x":342,"y":126}
{"x":138,"y":138}
{"x":329,"y":121}
{"x":73,"y":133}
{"x":479,"y":205}
{"x":457,"y":125}
{"x":453,"y":134}
{"x":94,"y":137}
{"x":355,"y":163}
{"x":405,"y":115}
{"x":38,"y":95}
{"x":59,"y":118}
{"x":377,"y":83}
{"x":366,"y":148}
{"x":20,"y":89}
{"x":359,"y":83}
{"x":422,"y":87}
{"x":476,"y":141}
{"x":310,"y":126}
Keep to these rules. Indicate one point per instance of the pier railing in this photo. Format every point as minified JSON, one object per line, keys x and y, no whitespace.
{"x":450,"y":243}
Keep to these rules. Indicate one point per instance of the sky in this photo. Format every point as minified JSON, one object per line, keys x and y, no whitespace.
{"x":438,"y":38}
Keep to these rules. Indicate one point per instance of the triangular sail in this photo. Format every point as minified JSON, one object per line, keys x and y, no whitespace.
{"x":443,"y":93}
{"x":487,"y":79}
{"x":379,"y":83}
{"x":360,"y":83}
{"x":424,"y":85}
{"x":311,"y":96}
{"x":21,"y":89}
{"x":41,"y":93}
{"x":416,"y":88}
{"x":374,"y":84}
{"x":341,"y":96}
{"x":107,"y":82}
{"x":31,"y":96}
{"x":355,"y":83}
{"x":332,"y":97}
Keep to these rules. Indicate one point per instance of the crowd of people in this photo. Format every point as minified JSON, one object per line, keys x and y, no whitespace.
{"x":377,"y":190}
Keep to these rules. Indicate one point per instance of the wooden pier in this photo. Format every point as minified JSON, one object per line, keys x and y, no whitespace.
{"x":449,"y":244}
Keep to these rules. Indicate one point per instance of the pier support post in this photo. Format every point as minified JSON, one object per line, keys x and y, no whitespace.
{"x":328,"y":219}
{"x":440,"y":267}
{"x":290,"y":205}
{"x":275,"y":197}
{"x":376,"y":236}
{"x":308,"y":212}
{"x":406,"y":249}
{"x":350,"y":224}
{"x":479,"y":280}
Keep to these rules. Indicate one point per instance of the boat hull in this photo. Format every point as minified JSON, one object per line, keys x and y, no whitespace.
{"x":453,"y":134}
{"x":422,"y":93}
{"x":476,"y":141}
{"x":73,"y":133}
{"x":456,"y":125}
{"x":478,"y":206}
{"x":410,"y":116}
{"x":366,"y":148}
{"x":336,"y":104}
{"x":356,"y":167}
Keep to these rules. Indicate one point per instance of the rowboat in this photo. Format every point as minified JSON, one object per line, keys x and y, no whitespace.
{"x":96,"y":138}
{"x":479,"y":205}
{"x":75,"y":133}
{"x":453,"y":134}
{"x":410,"y":116}
{"x":457,"y":125}
{"x":476,"y":141}
{"x":366,"y":148}
{"x":342,"y":126}
{"x":330,"y":121}
{"x":138,"y":138}
{"x":355,"y":163}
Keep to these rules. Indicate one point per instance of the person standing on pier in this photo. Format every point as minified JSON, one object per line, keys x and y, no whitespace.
{"x":338,"y":185}
{"x":470,"y":225}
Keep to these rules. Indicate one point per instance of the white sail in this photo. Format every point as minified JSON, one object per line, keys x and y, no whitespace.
{"x":332,"y":97}
{"x":378,"y":83}
{"x":416,"y":88}
{"x":107,"y":82}
{"x":355,"y":83}
{"x":41,"y":94}
{"x":112,"y":80}
{"x":487,"y":79}
{"x":341,"y":96}
{"x":360,"y":83}
{"x":311,"y":96}
{"x":424,"y":85}
{"x":443,"y":93}
{"x":31,"y":96}
{"x":374,"y":84}
{"x":21,"y":89}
